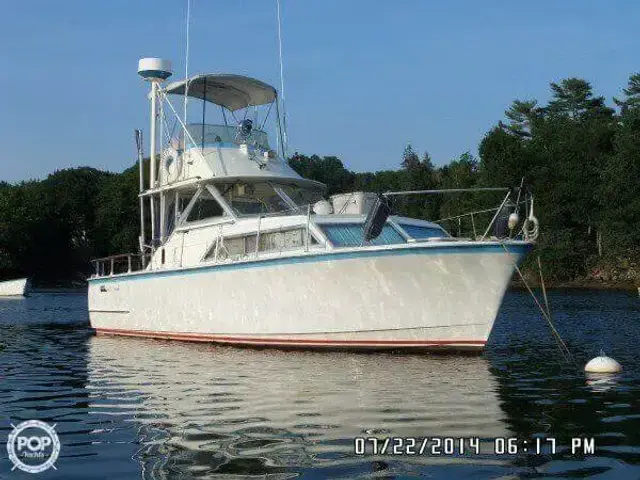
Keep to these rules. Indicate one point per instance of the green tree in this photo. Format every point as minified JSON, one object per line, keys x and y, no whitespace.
{"x":632,"y":94}
{"x":417,"y":174}
{"x":574,"y":97}
{"x":619,"y":190}
{"x":521,"y":115}
{"x":328,"y":170}
{"x":560,"y":149}
{"x":505,"y":159}
{"x":117,"y":224}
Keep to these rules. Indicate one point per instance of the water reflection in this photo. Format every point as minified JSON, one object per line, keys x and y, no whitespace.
{"x":44,"y":309}
{"x":198,"y":408}
{"x":602,"y":382}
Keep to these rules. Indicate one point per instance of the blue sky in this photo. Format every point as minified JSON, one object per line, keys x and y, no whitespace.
{"x":363,"y":78}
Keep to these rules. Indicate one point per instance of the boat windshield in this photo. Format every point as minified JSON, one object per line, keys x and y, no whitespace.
{"x":301,"y":196}
{"x":223,"y":136}
{"x":268,"y":198}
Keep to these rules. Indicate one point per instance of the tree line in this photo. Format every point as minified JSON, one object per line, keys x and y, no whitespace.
{"x":580,"y":155}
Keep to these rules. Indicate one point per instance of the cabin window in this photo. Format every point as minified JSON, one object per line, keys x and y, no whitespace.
{"x":234,"y":247}
{"x":265,"y":198}
{"x":420,"y":232}
{"x":248,"y":199}
{"x":352,"y":234}
{"x":281,"y":240}
{"x":301,"y":196}
{"x":274,"y":241}
{"x":205,"y":207}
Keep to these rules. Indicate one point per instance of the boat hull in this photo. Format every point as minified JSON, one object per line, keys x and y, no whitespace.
{"x":430,"y":297}
{"x":14,"y":288}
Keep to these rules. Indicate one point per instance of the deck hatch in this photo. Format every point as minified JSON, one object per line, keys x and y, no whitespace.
{"x":420,"y":232}
{"x":352,"y":235}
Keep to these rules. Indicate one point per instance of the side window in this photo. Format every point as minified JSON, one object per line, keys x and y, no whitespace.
{"x":205,"y":207}
{"x":420,"y":232}
{"x":238,"y":247}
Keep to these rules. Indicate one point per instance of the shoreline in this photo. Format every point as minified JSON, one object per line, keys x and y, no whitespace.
{"x":513,"y":285}
{"x":58,"y":290}
{"x":578,"y":285}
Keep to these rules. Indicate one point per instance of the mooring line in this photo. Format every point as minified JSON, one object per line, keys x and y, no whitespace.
{"x":545,"y":314}
{"x":544,"y":288}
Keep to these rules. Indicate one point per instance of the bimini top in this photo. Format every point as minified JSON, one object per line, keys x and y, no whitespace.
{"x":230,"y":91}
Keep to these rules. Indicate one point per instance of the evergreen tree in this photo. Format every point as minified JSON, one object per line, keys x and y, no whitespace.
{"x":620,"y":189}
{"x":574,"y":97}
{"x":521,"y":114}
{"x":632,"y":93}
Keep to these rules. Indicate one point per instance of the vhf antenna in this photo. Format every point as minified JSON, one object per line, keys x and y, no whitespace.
{"x":186,"y":64}
{"x":284,"y":110}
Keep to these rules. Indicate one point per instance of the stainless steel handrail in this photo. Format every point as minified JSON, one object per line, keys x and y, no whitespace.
{"x":100,"y":264}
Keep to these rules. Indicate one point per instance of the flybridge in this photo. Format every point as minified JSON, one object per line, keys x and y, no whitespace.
{"x":205,"y":163}
{"x":245,"y":107}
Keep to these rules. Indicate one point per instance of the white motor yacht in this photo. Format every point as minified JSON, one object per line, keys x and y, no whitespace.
{"x":244,"y":251}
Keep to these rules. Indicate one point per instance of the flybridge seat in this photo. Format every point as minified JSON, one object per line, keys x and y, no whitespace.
{"x":220,"y":136}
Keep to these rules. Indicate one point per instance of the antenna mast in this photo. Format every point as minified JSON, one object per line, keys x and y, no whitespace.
{"x":141,"y":238}
{"x":155,"y":71}
{"x":284,"y":110}
{"x":186,"y":67}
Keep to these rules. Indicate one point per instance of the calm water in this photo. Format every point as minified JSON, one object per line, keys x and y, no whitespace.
{"x":129,"y":408}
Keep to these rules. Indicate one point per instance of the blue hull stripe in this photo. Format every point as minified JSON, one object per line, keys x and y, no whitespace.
{"x":519,"y":250}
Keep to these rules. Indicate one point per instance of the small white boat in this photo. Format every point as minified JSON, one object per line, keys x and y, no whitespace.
{"x":244,"y":251}
{"x":14,"y":288}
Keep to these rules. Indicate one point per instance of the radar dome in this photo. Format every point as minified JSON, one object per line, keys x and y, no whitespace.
{"x":154,"y":69}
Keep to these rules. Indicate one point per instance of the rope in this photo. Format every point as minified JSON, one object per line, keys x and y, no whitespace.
{"x":545,"y":313}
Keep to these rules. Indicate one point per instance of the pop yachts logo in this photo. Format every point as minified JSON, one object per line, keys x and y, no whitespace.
{"x":33,"y":446}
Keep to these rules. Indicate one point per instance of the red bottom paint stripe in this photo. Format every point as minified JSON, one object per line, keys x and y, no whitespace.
{"x":195,"y":337}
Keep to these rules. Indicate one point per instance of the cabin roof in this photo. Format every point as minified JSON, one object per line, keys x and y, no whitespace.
{"x":227,"y":90}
